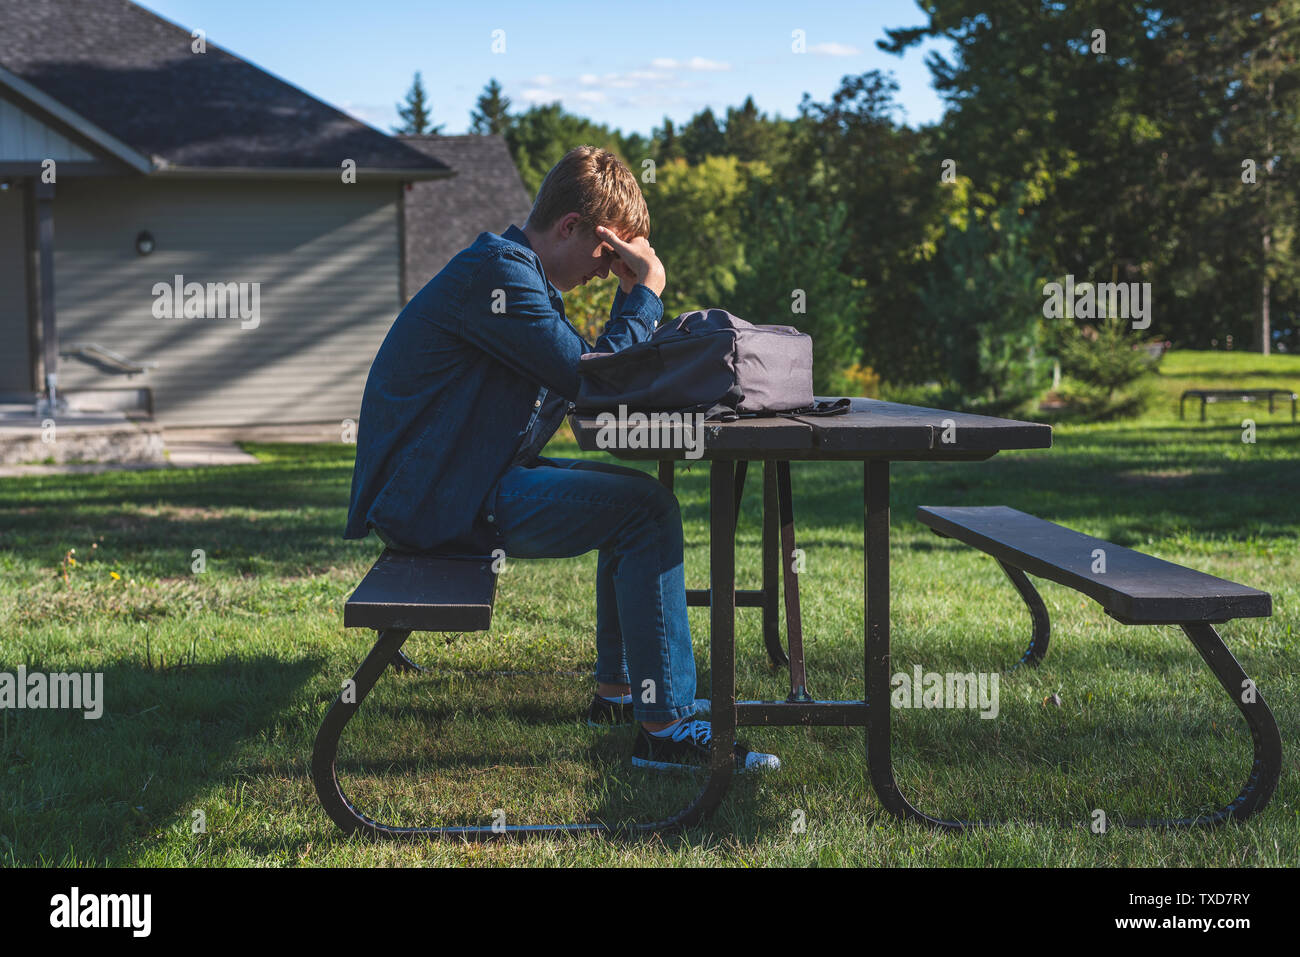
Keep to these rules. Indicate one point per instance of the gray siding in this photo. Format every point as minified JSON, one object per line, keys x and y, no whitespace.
{"x":325,"y":254}
{"x":15,"y":370}
{"x":25,"y":138}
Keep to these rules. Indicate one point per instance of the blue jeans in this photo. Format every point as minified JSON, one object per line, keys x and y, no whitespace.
{"x":559,"y":508}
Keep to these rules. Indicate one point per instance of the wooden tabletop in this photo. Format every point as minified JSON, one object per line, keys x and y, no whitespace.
{"x":870,"y":429}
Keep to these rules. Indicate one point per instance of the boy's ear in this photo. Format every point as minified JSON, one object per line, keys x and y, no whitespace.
{"x":569,"y":224}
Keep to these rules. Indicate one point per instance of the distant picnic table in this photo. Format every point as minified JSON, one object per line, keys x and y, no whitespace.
{"x":1245,"y":395}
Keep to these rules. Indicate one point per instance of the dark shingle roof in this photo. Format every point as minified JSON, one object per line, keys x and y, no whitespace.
{"x":133,"y":74}
{"x":442,"y":217}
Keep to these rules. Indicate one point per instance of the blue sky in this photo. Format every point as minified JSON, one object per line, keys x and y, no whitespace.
{"x":625,"y":64}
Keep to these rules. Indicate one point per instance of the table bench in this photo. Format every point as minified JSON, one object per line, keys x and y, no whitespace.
{"x":1245,"y":395}
{"x":402,"y":592}
{"x":408,"y":592}
{"x":1134,"y":589}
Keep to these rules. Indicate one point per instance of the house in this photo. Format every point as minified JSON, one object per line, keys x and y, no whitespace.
{"x":180,"y":229}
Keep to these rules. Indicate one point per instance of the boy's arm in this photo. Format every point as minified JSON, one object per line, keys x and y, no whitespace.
{"x":508,"y":314}
{"x":619,"y":332}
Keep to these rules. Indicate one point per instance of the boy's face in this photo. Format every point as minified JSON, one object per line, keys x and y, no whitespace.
{"x":578,"y":254}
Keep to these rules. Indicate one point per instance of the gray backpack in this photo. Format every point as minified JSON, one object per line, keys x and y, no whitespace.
{"x":703,"y":361}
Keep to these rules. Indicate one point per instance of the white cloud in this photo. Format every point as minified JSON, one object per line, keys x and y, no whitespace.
{"x":656,"y":86}
{"x":834,"y":49}
{"x":700,"y":63}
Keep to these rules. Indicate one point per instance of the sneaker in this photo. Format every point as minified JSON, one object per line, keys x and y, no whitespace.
{"x":689,"y":748}
{"x":602,"y":712}
{"x":605,"y":713}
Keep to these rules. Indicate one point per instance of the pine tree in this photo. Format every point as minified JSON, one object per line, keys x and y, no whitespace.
{"x":492,"y":115}
{"x":415,"y":115}
{"x":669,"y":145}
{"x":749,"y":135}
{"x":703,"y":137}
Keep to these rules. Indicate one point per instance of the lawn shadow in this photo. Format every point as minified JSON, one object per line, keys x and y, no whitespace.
{"x":88,"y":791}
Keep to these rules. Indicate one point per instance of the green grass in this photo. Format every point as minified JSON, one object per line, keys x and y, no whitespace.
{"x":216,"y":682}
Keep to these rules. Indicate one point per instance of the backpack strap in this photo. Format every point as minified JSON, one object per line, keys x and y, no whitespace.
{"x":825,"y":407}
{"x":720,"y":413}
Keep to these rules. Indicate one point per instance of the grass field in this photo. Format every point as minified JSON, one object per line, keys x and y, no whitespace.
{"x":216,"y":682}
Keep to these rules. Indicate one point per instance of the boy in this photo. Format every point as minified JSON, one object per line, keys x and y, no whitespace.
{"x":475,"y":376}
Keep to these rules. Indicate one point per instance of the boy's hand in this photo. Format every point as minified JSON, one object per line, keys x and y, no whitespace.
{"x":634,"y":262}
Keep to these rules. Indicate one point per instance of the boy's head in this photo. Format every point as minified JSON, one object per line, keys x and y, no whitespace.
{"x":589,"y":187}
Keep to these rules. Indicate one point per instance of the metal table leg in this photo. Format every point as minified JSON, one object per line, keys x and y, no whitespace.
{"x":722,"y":632}
{"x":771,"y":568}
{"x":769,"y":548}
{"x":767,"y":597}
{"x":876,"y":664}
{"x":793,"y":617}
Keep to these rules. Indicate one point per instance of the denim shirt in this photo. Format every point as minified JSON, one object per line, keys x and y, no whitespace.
{"x":475,"y":375}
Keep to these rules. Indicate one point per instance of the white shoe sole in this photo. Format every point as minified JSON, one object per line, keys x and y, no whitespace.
{"x":754,"y":761}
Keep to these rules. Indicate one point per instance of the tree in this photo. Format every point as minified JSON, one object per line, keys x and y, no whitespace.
{"x":789,"y":277}
{"x":539,"y":136}
{"x":415,"y":115}
{"x":697,"y":228}
{"x":667,"y":144}
{"x":492,"y":116}
{"x":750,"y":135}
{"x":1105,"y":366}
{"x":702,"y":137}
{"x":1237,"y":83}
{"x":850,"y":150}
{"x":984,"y":292}
{"x":1143,"y":113}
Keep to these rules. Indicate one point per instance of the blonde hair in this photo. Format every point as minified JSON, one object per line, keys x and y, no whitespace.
{"x":595,"y":184}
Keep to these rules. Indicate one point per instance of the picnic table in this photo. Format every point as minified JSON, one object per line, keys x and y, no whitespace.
{"x":1139,"y":589}
{"x":875,"y":433}
{"x":1245,"y":395}
{"x":405,"y":593}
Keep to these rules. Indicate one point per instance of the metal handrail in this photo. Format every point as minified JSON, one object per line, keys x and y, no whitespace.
{"x":97,"y":351}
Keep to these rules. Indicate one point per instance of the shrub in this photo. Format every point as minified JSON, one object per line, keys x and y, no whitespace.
{"x":1106,"y":366}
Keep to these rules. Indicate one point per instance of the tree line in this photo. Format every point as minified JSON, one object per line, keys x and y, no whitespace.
{"x":1104,"y":141}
